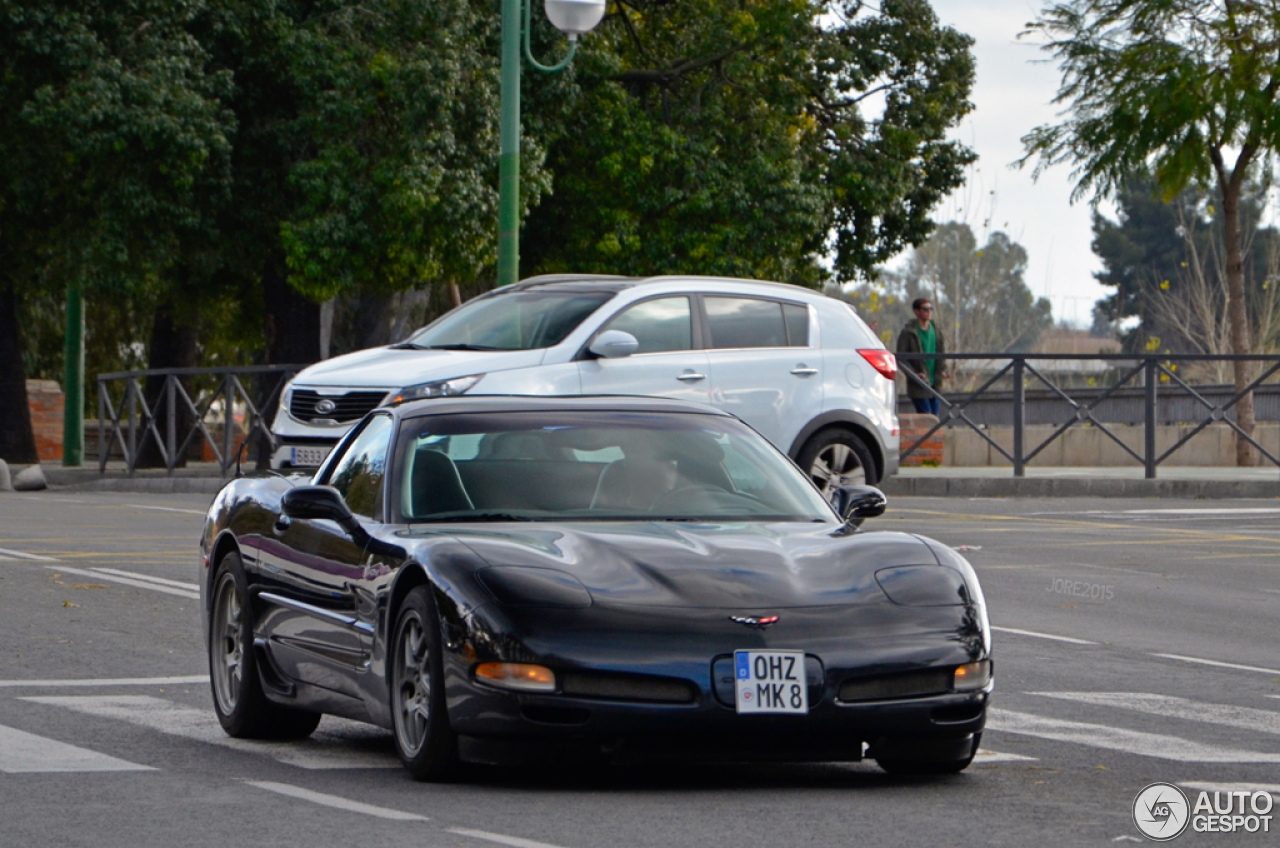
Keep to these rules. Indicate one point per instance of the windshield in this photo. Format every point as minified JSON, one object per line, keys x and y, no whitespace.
{"x":522,"y":320}
{"x":527,"y":466}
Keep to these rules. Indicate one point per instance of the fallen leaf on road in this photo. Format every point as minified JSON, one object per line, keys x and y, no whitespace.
{"x":89,"y":586}
{"x":69,"y":604}
{"x":968,"y":547}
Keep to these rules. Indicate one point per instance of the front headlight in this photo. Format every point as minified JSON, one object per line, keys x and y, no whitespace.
{"x":286,"y":397}
{"x":923,"y":586}
{"x":439,"y":388}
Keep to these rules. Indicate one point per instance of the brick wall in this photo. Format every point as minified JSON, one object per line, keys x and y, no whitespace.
{"x":913,"y":426}
{"x":44,"y":398}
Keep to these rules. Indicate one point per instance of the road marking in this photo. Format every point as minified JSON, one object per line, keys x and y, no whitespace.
{"x":1035,"y":635}
{"x":104,"y":681}
{"x":140,"y":584}
{"x":339,"y":744}
{"x":1118,"y":739}
{"x":335,"y":801}
{"x":26,"y":753}
{"x":1246,"y":718}
{"x":170,"y":509}
{"x":514,"y":841}
{"x":20,"y":555}
{"x":984,"y":756}
{"x":1272,"y":789}
{"x":1218,"y":664}
{"x":190,"y":587}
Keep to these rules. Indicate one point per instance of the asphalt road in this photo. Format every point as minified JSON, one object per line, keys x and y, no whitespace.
{"x":1136,"y":643}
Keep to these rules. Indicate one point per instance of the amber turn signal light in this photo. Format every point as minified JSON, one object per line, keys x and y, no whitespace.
{"x":971,"y":677}
{"x":519,"y":677}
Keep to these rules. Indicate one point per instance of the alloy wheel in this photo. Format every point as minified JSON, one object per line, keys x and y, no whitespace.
{"x":412,"y":685}
{"x":837,"y":465}
{"x":227,"y":645}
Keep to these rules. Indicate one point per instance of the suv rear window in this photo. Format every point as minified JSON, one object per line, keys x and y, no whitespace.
{"x":738,"y":322}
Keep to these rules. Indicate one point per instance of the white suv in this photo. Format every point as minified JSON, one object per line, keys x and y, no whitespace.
{"x":799,"y":367}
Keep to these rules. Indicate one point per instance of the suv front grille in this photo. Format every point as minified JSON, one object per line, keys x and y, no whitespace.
{"x":349,"y":407}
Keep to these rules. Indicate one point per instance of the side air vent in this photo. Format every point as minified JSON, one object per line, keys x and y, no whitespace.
{"x":915,"y":684}
{"x":616,"y":687}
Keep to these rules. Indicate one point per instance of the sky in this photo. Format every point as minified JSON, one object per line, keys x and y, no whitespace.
{"x":1012,"y":95}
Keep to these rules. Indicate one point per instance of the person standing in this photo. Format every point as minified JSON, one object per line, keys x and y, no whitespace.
{"x":921,"y":335}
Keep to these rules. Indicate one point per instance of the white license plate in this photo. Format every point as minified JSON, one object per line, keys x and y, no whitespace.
{"x":309,"y":457}
{"x":770,"y":682}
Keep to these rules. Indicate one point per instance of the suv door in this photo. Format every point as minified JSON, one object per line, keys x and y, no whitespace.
{"x":668,"y":363}
{"x":319,"y":617}
{"x":763,"y":369}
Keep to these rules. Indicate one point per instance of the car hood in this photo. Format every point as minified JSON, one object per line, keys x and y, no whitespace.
{"x":743,"y":566}
{"x":392,"y":368}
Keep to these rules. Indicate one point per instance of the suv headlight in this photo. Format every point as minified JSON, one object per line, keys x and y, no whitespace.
{"x":439,"y":388}
{"x":286,"y":397}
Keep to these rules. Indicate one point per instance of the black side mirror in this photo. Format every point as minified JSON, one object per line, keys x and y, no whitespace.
{"x":856,"y":504}
{"x":322,"y":502}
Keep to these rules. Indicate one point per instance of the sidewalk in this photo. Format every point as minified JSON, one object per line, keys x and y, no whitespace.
{"x":1065,"y":482}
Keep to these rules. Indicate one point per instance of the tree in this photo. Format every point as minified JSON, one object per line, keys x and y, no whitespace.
{"x":980,"y":299}
{"x":1184,"y":88}
{"x":754,"y":139}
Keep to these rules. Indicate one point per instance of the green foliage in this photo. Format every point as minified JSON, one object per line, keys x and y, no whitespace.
{"x":731,"y":139}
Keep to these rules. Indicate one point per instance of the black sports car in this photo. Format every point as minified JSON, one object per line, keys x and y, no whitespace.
{"x":502,"y":579}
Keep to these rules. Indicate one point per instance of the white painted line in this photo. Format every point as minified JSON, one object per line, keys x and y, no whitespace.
{"x":190,"y":587}
{"x":1035,"y":635}
{"x":1206,"y":511}
{"x":1272,"y":789}
{"x":104,"y":681}
{"x":170,"y":509}
{"x":514,"y":841}
{"x":140,"y":584}
{"x":1246,"y":718}
{"x":26,"y":753}
{"x":984,"y":756}
{"x":339,"y":744}
{"x":21,"y":555}
{"x":1219,"y":664}
{"x":335,"y":801}
{"x":1118,"y":739}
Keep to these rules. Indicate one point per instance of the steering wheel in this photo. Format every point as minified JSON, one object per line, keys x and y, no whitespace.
{"x":688,"y":496}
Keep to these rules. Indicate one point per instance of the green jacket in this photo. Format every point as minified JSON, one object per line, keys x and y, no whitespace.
{"x":909,"y":342}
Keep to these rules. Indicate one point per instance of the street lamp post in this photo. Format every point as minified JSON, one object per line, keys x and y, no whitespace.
{"x":572,"y":17}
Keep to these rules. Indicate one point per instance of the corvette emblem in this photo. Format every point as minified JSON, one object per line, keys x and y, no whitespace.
{"x":325,"y":406}
{"x":757,"y":623}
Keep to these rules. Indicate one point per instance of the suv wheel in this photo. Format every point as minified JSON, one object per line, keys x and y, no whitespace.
{"x":835,"y":458}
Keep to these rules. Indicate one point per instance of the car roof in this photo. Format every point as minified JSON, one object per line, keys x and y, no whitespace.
{"x":607,"y":282}
{"x":572,"y":403}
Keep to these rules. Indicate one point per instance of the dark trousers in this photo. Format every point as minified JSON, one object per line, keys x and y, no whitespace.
{"x":927,"y":406}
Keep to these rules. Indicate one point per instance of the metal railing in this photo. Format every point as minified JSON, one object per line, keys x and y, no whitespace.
{"x":1153,"y":373}
{"x":127,"y":418}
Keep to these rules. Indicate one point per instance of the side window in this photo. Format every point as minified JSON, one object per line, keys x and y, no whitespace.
{"x":745,"y":322}
{"x":659,"y":325}
{"x":797,"y":317}
{"x":359,"y":472}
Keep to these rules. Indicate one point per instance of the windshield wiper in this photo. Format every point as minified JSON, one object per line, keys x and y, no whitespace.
{"x":409,"y":346}
{"x":463,"y":347}
{"x":480,"y":516}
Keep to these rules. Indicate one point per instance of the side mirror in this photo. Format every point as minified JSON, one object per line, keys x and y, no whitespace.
{"x":614,"y":344}
{"x":321,"y":502}
{"x":856,"y":504}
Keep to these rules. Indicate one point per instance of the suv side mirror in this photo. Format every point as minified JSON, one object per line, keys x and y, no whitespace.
{"x":614,"y":344}
{"x":856,"y":504}
{"x":321,"y":502}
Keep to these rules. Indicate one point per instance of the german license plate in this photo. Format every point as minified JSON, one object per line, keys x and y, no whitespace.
{"x":309,"y":457}
{"x":770,"y":682}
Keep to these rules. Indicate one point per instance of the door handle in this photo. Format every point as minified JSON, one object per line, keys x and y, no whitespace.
{"x":691,"y":377}
{"x":804,"y":371}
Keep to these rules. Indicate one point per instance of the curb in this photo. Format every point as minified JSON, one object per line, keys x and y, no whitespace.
{"x":149,"y":485}
{"x":1050,"y":487}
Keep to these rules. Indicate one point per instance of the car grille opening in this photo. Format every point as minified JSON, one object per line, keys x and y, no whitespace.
{"x":616,"y":687}
{"x":351,"y":406}
{"x":915,"y":684}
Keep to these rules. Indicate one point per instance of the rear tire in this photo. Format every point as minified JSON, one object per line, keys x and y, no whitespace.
{"x":424,"y":740}
{"x":926,"y":766}
{"x":837,"y":457}
{"x":238,"y":700}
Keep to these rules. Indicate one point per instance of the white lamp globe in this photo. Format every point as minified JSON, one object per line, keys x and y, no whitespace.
{"x":574,"y":17}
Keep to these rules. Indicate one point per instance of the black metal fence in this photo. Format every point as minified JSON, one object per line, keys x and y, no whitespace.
{"x":157,"y":417}
{"x":1150,"y":380}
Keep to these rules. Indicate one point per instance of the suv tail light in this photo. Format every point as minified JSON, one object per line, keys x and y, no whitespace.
{"x":883,"y":361}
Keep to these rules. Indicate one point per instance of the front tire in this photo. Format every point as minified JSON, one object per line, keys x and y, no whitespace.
{"x":424,"y":740}
{"x":238,"y":700}
{"x":837,"y":457}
